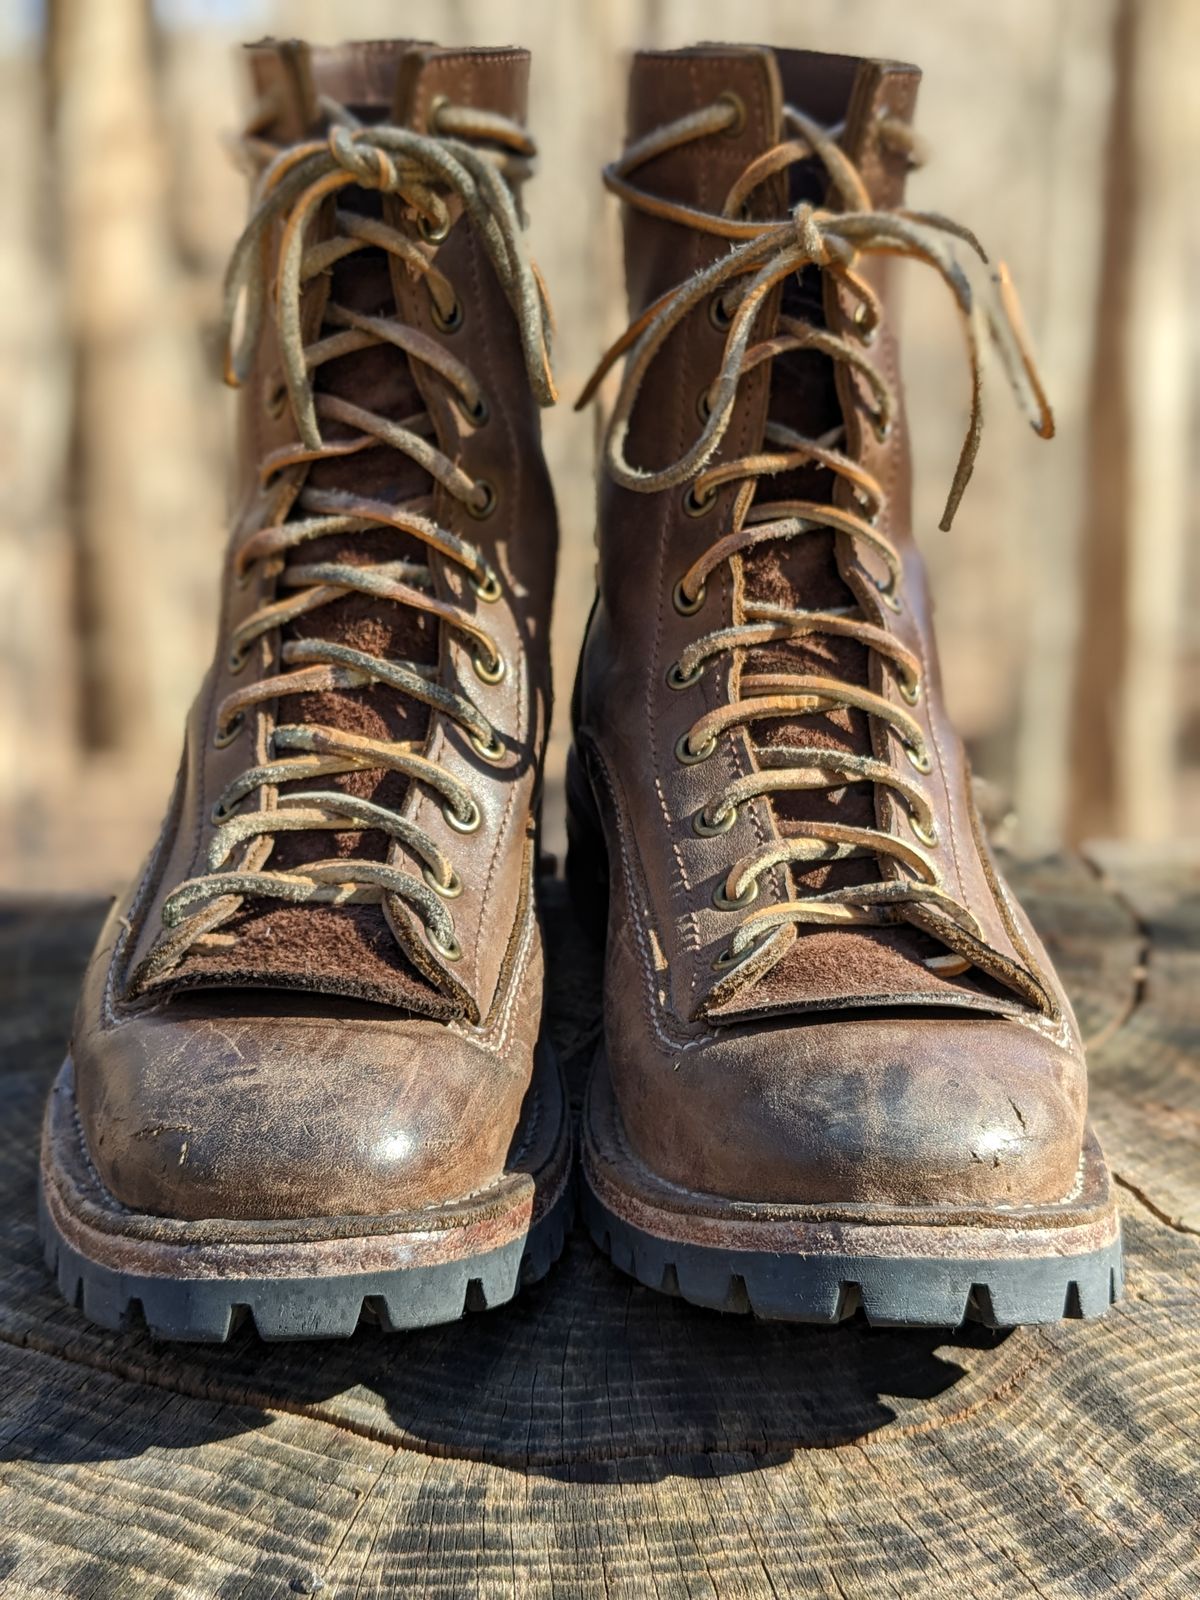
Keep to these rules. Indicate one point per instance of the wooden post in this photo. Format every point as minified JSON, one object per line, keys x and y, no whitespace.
{"x":1127,"y":701}
{"x":144,"y":506}
{"x":38,"y":703}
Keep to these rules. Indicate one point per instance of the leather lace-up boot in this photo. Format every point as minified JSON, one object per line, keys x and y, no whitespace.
{"x":306,"y":1076}
{"x":837,"y":1068}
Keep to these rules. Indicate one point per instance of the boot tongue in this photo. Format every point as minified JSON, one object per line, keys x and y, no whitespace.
{"x":803,"y":573}
{"x":379,"y":380}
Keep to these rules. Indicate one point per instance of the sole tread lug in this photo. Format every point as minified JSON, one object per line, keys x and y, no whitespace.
{"x":205,"y":1311}
{"x":891,"y":1291}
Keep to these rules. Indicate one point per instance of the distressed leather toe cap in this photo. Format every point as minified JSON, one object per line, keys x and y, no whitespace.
{"x":937,"y":1110}
{"x":218,"y":1107}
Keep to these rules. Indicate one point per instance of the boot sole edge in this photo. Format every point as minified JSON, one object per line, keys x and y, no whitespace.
{"x":822,"y":1264}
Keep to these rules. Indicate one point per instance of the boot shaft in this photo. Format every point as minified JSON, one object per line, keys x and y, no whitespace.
{"x":855,"y":98}
{"x":755,"y":535}
{"x":392,"y":553}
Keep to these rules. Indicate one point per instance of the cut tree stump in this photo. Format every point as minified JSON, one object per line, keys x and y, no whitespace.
{"x":596,"y":1439}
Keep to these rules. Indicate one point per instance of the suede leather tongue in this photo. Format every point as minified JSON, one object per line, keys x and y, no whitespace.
{"x":345,"y":950}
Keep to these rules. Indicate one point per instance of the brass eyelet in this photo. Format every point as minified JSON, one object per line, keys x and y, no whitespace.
{"x":738,"y":902}
{"x":433,"y":232}
{"x":734,"y":958}
{"x":910,"y":693}
{"x":477,"y":415}
{"x":703,"y":406}
{"x":494,"y":750}
{"x":679,"y":680}
{"x":450,"y":321}
{"x":690,"y":757}
{"x":236,"y":662}
{"x":882,"y":429}
{"x":448,"y":891}
{"x":241,"y":580}
{"x":868,"y":509}
{"x":920,"y":758}
{"x":436,"y":106}
{"x":927,"y":836}
{"x":467,"y":824}
{"x":696,"y":505}
{"x":220,"y":814}
{"x":223,"y":737}
{"x":863,"y":326}
{"x":718,"y":314}
{"x":709,"y":830}
{"x":684,"y":606}
{"x":738,"y":125}
{"x":887,"y":593}
{"x":489,"y":674}
{"x":450,"y":951}
{"x":276,"y":401}
{"x":486,"y":589}
{"x":485,"y":489}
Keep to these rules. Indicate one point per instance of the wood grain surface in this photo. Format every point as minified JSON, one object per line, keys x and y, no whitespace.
{"x":596,"y":1439}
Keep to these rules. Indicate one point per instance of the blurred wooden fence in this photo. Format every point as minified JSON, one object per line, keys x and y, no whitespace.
{"x":1067,"y":134}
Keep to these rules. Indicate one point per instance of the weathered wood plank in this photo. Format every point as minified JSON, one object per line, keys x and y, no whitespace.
{"x":595,"y":1439}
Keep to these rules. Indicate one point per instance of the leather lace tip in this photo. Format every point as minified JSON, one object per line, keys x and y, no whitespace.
{"x":1042,"y":421}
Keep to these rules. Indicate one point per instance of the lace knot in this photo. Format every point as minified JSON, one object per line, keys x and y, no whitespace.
{"x":369,"y":165}
{"x":810,"y":236}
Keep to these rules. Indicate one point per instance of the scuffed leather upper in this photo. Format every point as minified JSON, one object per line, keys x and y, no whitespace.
{"x":319,"y":1060}
{"x":259,"y":1105}
{"x":847,"y":1068}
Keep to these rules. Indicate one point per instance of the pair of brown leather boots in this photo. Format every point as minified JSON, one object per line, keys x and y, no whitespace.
{"x":308,"y":1076}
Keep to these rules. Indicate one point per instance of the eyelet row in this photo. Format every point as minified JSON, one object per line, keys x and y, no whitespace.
{"x":467,"y":824}
{"x":734,"y":958}
{"x":926,"y":836}
{"x":698,"y":505}
{"x":448,"y":891}
{"x":865,"y":331}
{"x":487,"y":501}
{"x":709,"y":830}
{"x":737,"y":902}
{"x":692,"y":758}
{"x":224,"y":737}
{"x":450,"y":950}
{"x":489,"y":672}
{"x":683,"y":680}
{"x":449,"y":321}
{"x":477,"y":415}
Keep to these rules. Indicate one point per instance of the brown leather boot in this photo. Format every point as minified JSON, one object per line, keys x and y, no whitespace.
{"x":838,"y":1068}
{"x":306,"y":1075}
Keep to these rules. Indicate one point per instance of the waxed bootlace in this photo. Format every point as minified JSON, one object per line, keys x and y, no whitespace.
{"x":762,"y":255}
{"x":422,"y":169}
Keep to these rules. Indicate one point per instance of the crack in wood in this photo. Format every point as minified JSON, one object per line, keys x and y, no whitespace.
{"x":1176,"y":1224}
{"x":1138,"y":972}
